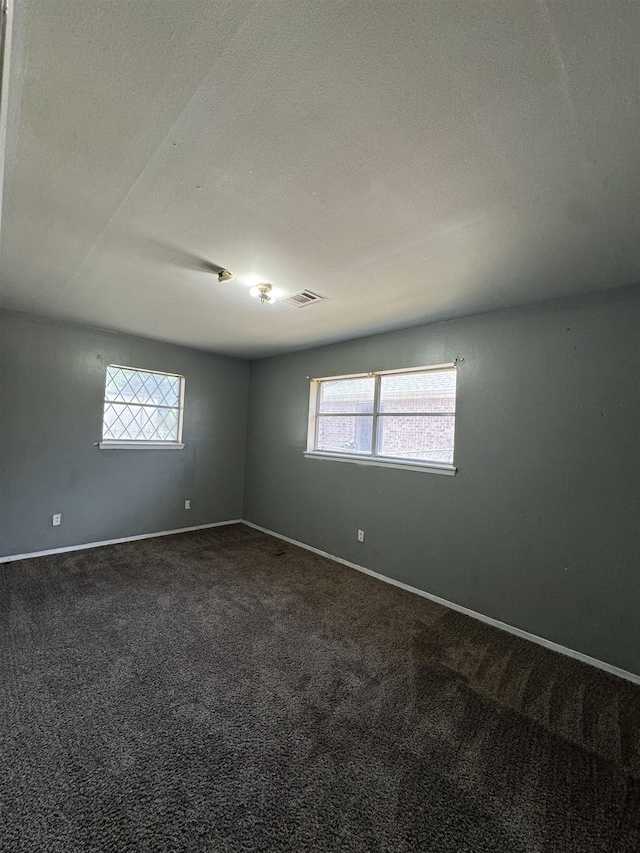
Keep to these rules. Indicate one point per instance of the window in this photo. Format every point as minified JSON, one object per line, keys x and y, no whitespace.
{"x":404,"y":418}
{"x":142,"y":408}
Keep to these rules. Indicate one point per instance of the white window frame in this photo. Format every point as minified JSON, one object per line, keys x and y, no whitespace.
{"x":142,"y":444}
{"x":373,"y":458}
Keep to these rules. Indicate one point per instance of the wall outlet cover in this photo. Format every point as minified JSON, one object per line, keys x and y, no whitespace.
{"x":56,"y":519}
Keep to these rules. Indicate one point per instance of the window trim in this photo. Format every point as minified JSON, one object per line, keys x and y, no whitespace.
{"x":142,"y":444}
{"x":385,"y":462}
{"x":371,"y":458}
{"x":112,"y":444}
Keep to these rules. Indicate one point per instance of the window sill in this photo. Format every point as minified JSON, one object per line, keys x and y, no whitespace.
{"x":428,"y":467}
{"x":140,"y":445}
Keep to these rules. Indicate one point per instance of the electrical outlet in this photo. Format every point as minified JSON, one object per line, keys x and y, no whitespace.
{"x":56,"y":519}
{"x":360,"y":535}
{"x":187,"y":504}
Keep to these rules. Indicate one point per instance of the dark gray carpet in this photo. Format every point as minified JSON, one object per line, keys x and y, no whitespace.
{"x":223,"y":691}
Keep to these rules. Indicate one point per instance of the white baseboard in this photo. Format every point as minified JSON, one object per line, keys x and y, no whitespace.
{"x":541,"y":641}
{"x":11,"y":558}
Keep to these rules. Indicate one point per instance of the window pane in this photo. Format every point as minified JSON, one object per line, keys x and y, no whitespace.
{"x":136,"y":423}
{"x":344,"y":435}
{"x":423,"y":438}
{"x":347,"y":395}
{"x":138,"y":386}
{"x":431,"y":391}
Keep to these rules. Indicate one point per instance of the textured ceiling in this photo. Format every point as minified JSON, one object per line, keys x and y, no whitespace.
{"x":409,"y":161}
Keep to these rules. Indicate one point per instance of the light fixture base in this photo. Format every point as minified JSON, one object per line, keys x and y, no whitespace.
{"x":263,"y":293}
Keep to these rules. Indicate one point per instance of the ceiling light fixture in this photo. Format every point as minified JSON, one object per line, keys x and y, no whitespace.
{"x":225,"y":275}
{"x":263,"y":293}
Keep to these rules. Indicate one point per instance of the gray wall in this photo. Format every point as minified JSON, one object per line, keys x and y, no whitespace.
{"x":540,"y":527}
{"x":51,"y":390}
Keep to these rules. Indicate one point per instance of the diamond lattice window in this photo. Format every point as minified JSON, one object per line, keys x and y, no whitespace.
{"x":142,"y":406}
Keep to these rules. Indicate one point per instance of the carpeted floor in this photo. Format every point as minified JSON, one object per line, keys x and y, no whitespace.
{"x":223,"y":691}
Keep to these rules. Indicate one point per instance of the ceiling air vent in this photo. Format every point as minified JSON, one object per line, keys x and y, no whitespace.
{"x":302,"y":298}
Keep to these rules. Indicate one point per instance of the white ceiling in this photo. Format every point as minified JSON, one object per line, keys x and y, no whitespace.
{"x":409,"y":161}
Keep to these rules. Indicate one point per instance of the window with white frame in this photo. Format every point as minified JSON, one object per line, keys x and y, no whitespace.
{"x":404,"y":417}
{"x":142,"y":408}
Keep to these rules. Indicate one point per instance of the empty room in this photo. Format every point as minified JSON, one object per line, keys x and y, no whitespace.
{"x":319,"y":418}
